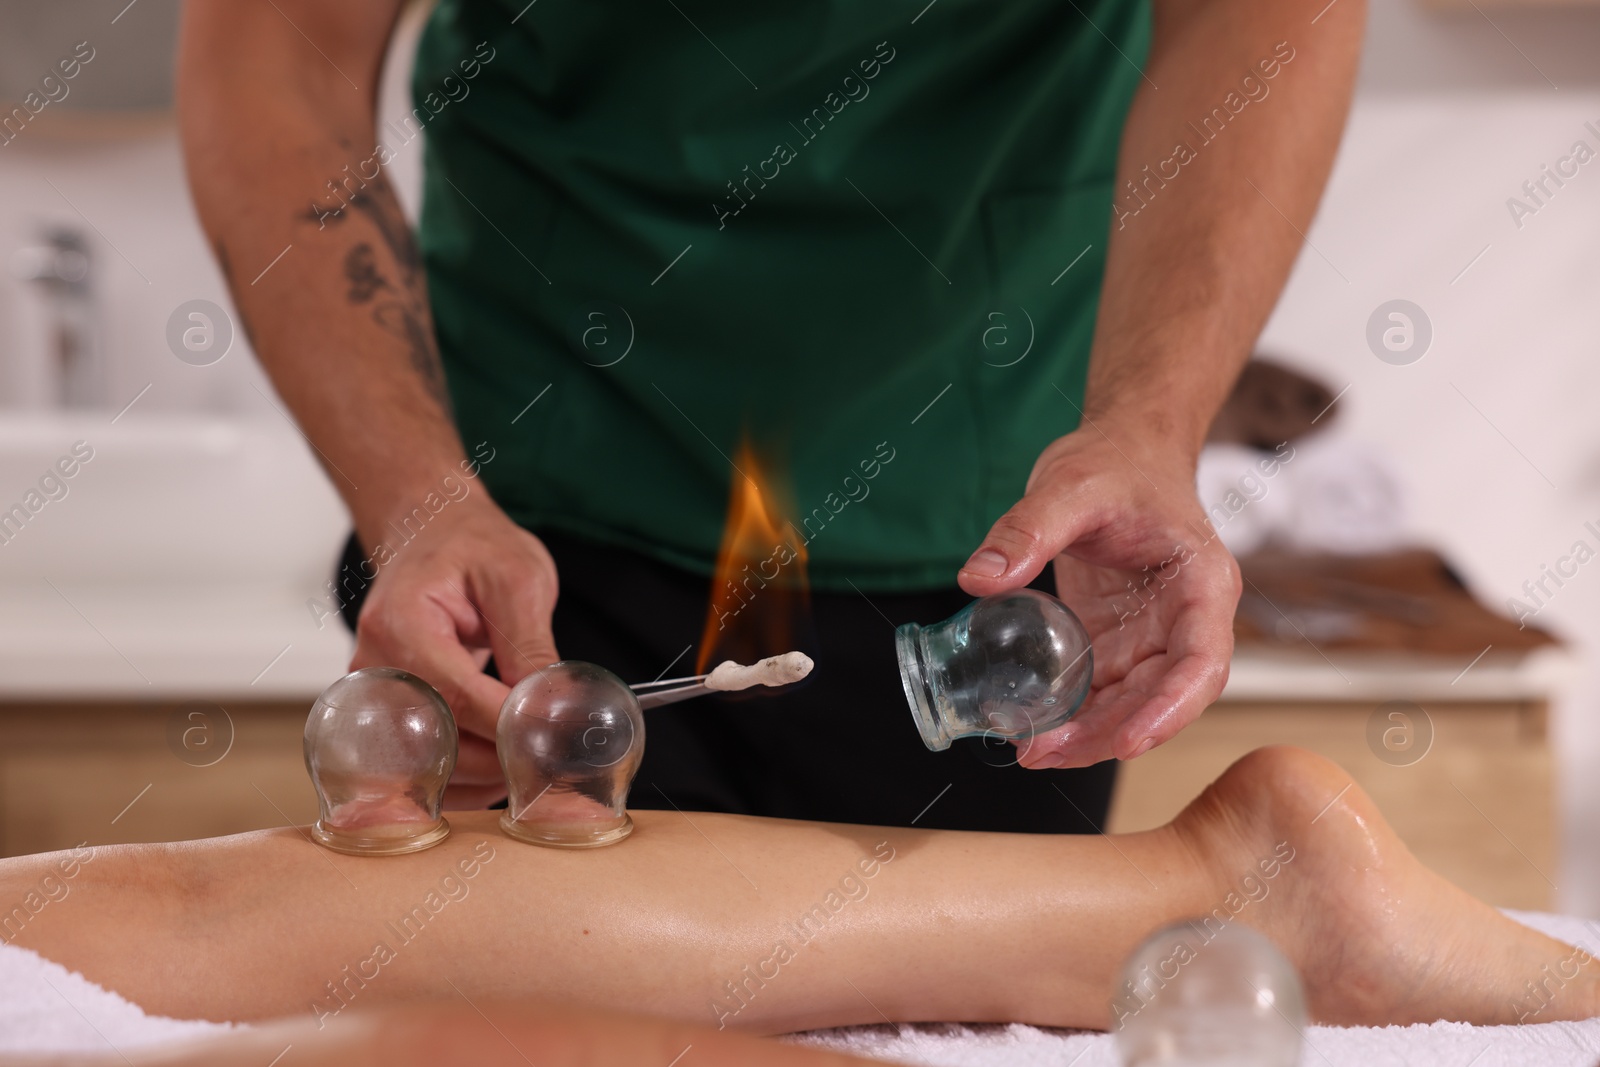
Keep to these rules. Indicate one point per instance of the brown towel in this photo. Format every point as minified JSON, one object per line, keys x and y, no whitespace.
{"x":1271,"y":404}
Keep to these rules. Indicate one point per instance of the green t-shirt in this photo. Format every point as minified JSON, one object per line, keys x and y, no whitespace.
{"x":868,"y":235}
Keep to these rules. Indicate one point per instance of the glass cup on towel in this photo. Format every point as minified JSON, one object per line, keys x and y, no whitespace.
{"x":1208,"y":991}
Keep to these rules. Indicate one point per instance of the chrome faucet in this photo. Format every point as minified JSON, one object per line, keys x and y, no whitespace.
{"x":60,"y":267}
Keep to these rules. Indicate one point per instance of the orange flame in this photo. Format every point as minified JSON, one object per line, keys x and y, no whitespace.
{"x":760,"y":598}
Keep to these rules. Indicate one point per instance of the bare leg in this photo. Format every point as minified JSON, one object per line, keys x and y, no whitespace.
{"x":773,"y":926}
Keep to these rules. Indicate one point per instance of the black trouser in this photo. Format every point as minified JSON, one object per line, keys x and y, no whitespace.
{"x":839,"y":747}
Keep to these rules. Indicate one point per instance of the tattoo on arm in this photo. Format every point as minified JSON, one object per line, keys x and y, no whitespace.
{"x":399,"y":307}
{"x":361,"y":268}
{"x":379,"y":205}
{"x":402,"y":309}
{"x":405,"y":324}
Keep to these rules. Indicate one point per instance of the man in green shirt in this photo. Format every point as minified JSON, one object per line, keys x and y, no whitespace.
{"x":973,"y":277}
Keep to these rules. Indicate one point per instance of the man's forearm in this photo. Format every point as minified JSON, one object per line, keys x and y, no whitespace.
{"x":1224,"y":157}
{"x":334,"y":302}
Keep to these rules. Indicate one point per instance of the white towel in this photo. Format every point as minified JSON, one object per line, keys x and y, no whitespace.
{"x":46,"y":1008}
{"x":1545,"y":1044}
{"x":1332,"y":494}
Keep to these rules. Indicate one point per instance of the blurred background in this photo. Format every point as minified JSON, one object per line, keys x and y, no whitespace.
{"x":1417,"y":604}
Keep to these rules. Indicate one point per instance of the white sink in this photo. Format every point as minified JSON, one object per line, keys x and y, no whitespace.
{"x":176,"y":560}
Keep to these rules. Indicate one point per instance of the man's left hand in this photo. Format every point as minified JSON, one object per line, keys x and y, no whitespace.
{"x":1137,"y":561}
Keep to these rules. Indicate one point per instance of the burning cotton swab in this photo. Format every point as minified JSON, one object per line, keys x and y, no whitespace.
{"x":727,"y":677}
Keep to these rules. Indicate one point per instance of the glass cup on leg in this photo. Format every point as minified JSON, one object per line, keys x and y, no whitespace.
{"x":570,"y":738}
{"x":380,"y":744}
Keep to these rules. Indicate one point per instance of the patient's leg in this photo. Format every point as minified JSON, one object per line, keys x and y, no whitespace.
{"x":773,"y":925}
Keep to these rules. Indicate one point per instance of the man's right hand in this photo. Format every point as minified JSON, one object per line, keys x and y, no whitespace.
{"x":471,"y":585}
{"x":276,"y":131}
